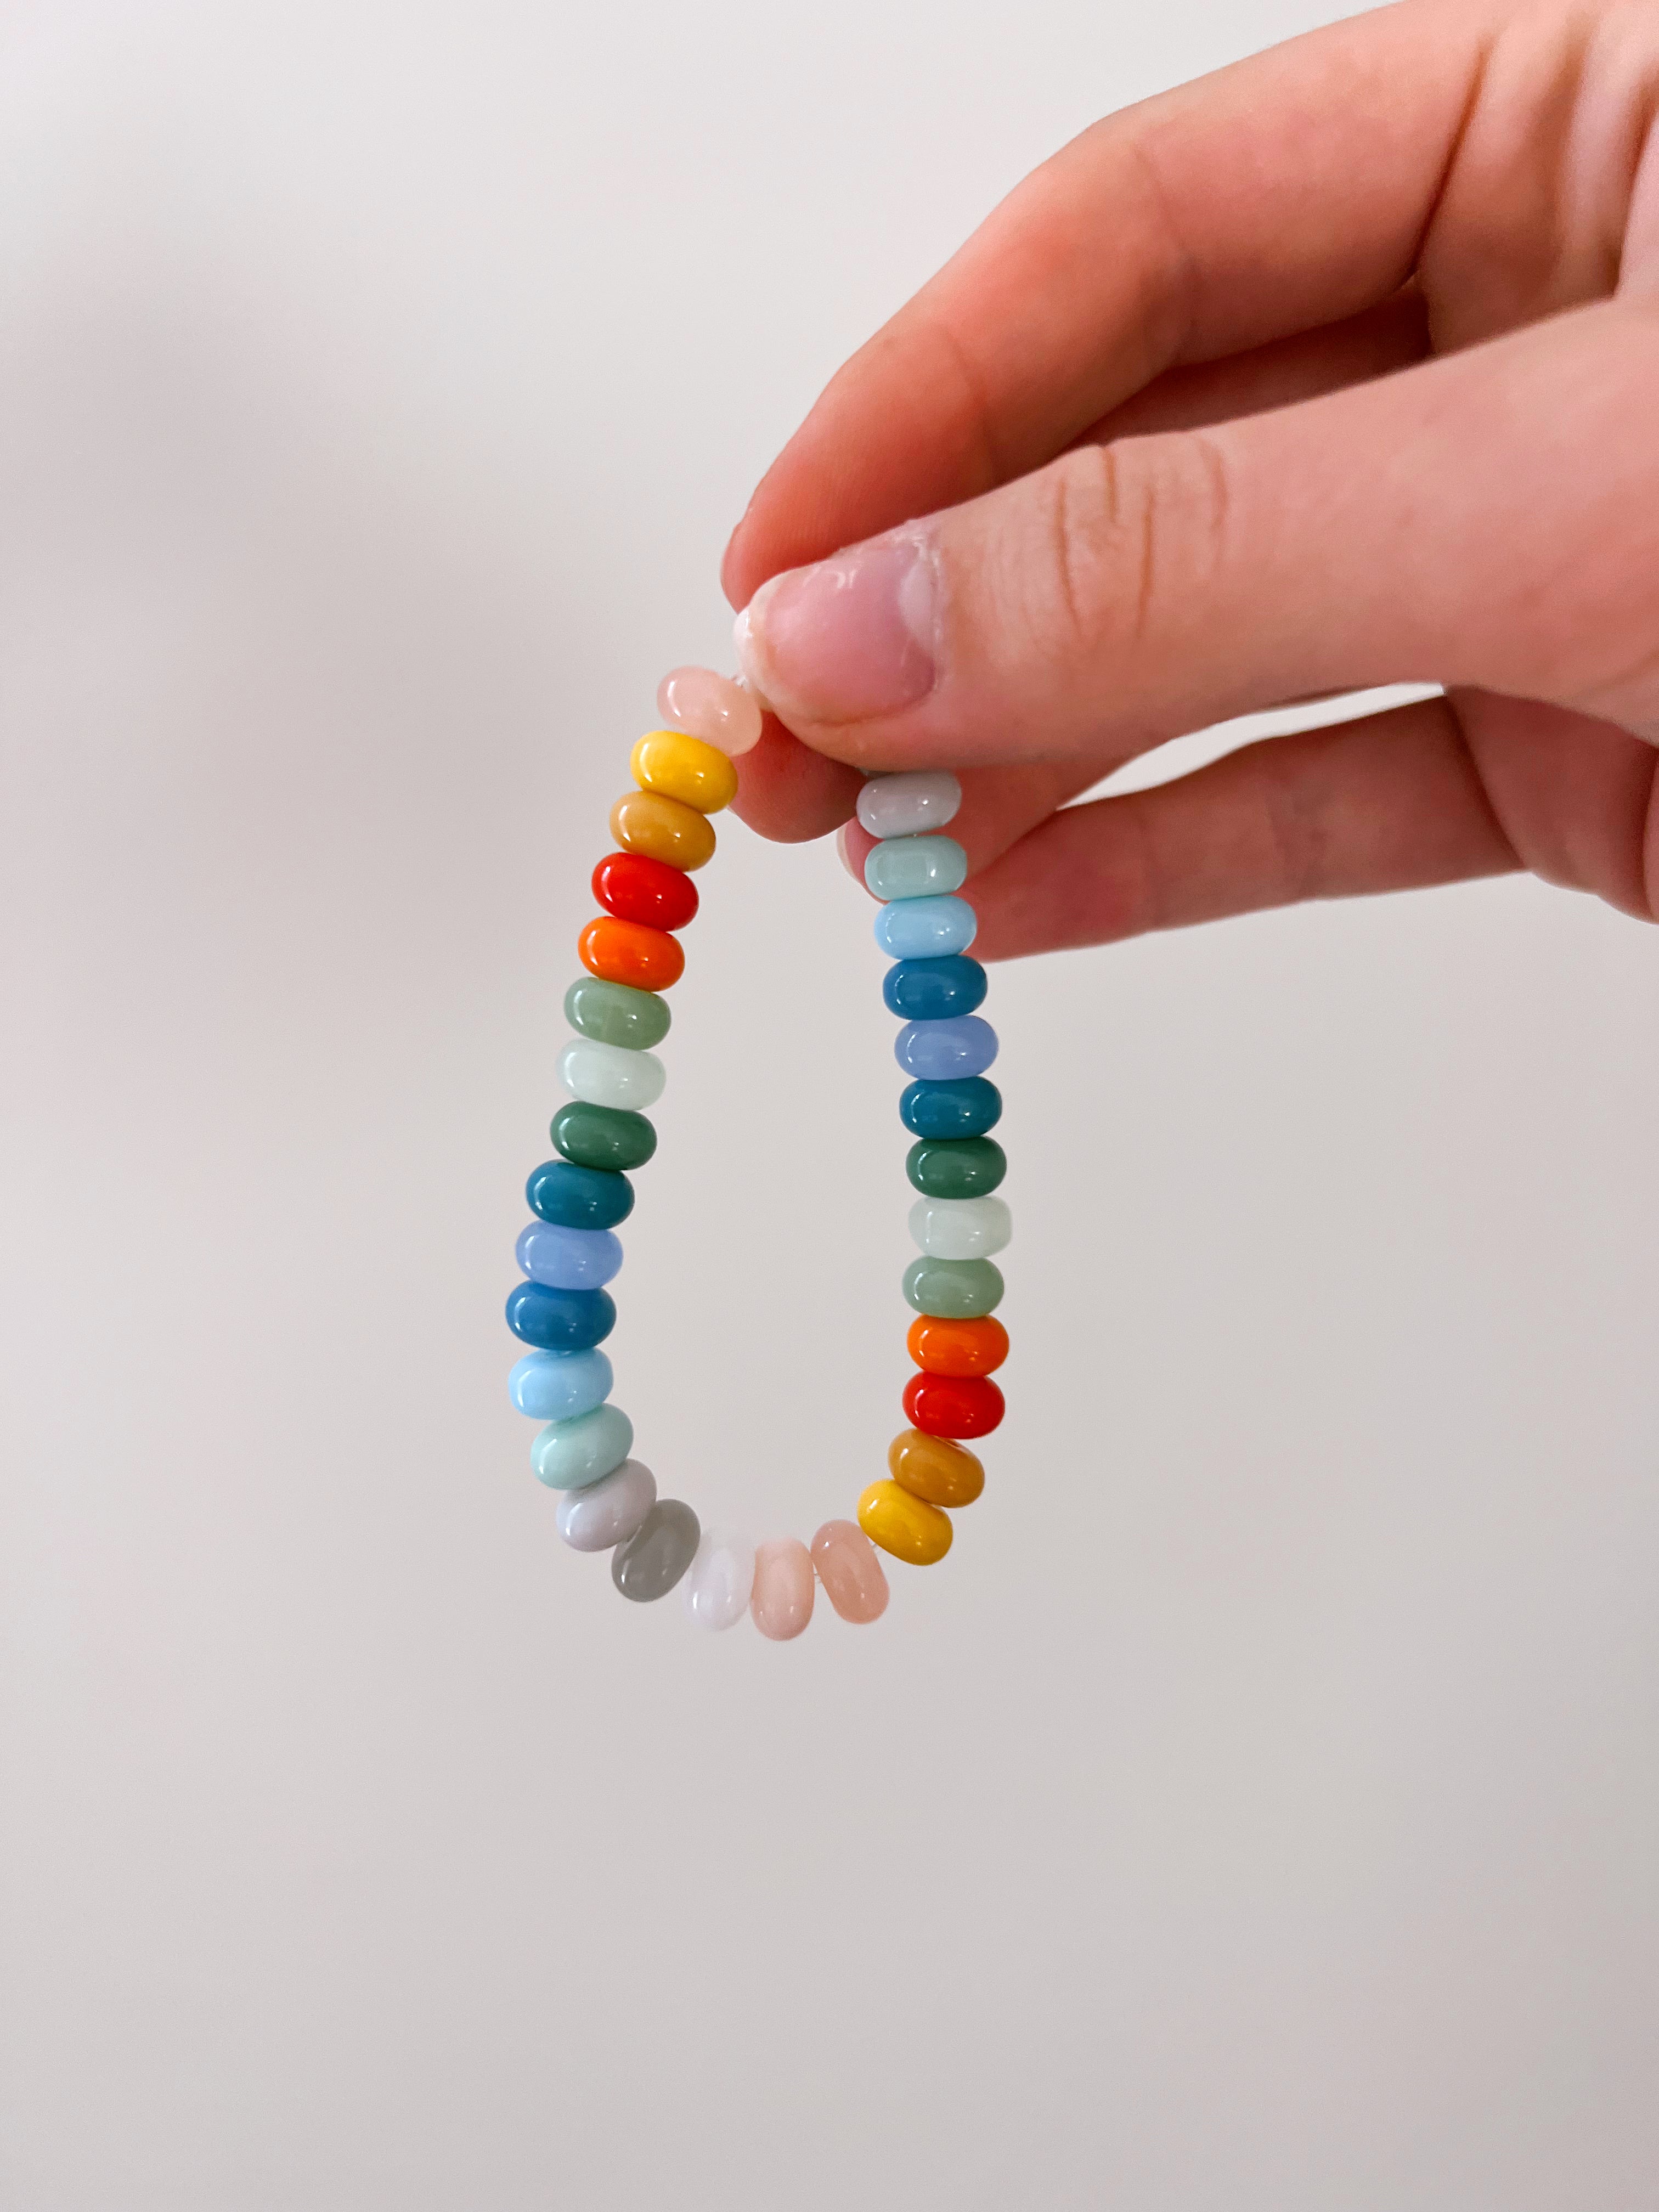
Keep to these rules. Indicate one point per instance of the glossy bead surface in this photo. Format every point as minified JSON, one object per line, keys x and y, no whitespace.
{"x":579,"y":1197}
{"x":933,"y":990}
{"x":903,"y":1524}
{"x":910,"y":802}
{"x":956,"y":1167}
{"x":719,"y":1580}
{"x":933,"y":1468}
{"x":636,"y":889}
{"x":954,"y":1289}
{"x":649,"y":1562}
{"x":712,"y":706}
{"x":557,"y":1386}
{"x":960,"y":1228}
{"x":957,"y":1347}
{"x":568,"y":1259}
{"x":663,"y":828}
{"x":953,"y":1405}
{"x":601,"y":1136}
{"x":965,"y":1108}
{"x":607,"y":1511}
{"x":850,"y":1571}
{"x":616,"y":1013}
{"x":782,"y":1599}
{"x":946,"y":1052}
{"x":684,"y":767}
{"x":915,"y":867}
{"x":630,"y":952}
{"x":926,"y":928}
{"x":611,"y":1075}
{"x":560,"y":1320}
{"x":569,"y":1455}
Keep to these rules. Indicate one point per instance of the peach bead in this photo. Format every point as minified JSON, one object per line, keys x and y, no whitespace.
{"x":850,"y":1571}
{"x":782,"y":1599}
{"x":713,"y":707}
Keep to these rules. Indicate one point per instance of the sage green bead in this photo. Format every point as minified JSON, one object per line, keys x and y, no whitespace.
{"x":616,"y":1013}
{"x":953,"y":1290}
{"x":956,"y":1167}
{"x":608,"y":1137}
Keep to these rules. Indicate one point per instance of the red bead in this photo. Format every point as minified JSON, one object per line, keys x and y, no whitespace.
{"x":952,"y":1405}
{"x":636,"y":889}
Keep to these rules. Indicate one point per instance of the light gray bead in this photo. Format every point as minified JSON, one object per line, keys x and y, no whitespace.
{"x":608,"y":1511}
{"x":658,"y":1553}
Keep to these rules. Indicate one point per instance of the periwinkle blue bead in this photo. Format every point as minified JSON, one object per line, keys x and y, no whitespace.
{"x":924,"y":928}
{"x":933,"y":990}
{"x":966,"y":1108}
{"x":557,"y":1386}
{"x":915,"y":867}
{"x":560,"y":1320}
{"x":568,"y":1259}
{"x":941,"y":1052}
{"x":580,"y":1198}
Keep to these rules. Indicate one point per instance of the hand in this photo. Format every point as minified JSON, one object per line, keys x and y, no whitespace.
{"x":1338,"y":369}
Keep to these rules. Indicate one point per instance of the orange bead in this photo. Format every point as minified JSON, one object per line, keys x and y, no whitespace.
{"x":630,"y":952}
{"x":957,"y":1347}
{"x":934,"y":1468}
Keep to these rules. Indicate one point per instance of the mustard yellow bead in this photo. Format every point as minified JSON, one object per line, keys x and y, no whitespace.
{"x":686,"y":769}
{"x":663,"y":828}
{"x":907,"y":1527}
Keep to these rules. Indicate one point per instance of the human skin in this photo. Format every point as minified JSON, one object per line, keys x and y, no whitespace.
{"x":1337,"y":368}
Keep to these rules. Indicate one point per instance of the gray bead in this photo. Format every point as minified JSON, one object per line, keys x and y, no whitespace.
{"x":657,"y":1553}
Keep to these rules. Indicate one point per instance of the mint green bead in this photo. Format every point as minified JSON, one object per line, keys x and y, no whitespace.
{"x":569,"y":1455}
{"x":915,"y":867}
{"x":953,"y":1290}
{"x":615,"y":1014}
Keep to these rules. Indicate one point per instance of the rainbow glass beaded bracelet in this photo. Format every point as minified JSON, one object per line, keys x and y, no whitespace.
{"x":630,"y":955}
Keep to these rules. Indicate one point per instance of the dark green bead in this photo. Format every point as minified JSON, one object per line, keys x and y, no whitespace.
{"x":964,"y":1167}
{"x":616,"y":1013}
{"x":603,"y":1136}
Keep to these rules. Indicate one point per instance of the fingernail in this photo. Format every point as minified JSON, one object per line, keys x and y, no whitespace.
{"x":849,"y":638}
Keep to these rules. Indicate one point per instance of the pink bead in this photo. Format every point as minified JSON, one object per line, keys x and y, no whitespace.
{"x":782,"y":1600}
{"x":710,"y":707}
{"x":850,"y":1570}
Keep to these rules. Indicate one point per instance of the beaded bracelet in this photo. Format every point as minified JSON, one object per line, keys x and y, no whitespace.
{"x":608,"y":1500}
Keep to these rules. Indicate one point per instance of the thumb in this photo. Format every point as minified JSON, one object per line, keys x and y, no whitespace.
{"x":1491,"y":518}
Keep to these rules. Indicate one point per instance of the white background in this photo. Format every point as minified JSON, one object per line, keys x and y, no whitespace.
{"x":1261,"y":1808}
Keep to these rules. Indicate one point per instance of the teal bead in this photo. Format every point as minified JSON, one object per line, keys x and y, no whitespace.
{"x":569,"y":1455}
{"x":964,"y":1167}
{"x":915,"y":867}
{"x":953,"y":1290}
{"x":608,"y":1137}
{"x":616,"y":1013}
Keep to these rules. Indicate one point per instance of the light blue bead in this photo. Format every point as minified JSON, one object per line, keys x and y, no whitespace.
{"x":924,"y":928}
{"x":568,"y":1259}
{"x":944,"y":1051}
{"x":569,"y":1455}
{"x":557,"y":1386}
{"x":915,"y":867}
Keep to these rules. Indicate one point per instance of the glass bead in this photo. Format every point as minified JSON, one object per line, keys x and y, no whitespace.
{"x":683,"y":767}
{"x":954,"y":1289}
{"x":784,"y":1588}
{"x":933,"y":1468}
{"x":956,"y":1167}
{"x":953,"y":1405}
{"x":957,"y":1347}
{"x":966,"y":1106}
{"x":579,"y":1197}
{"x":712,"y":706}
{"x":556,"y":1386}
{"x":961,"y":1228}
{"x":915,"y":867}
{"x":611,"y":1075}
{"x":628,"y":952}
{"x":602,"y":1137}
{"x":608,"y":1511}
{"x":926,"y":928}
{"x":946,"y":1052}
{"x":636,"y":889}
{"x":933,"y":990}
{"x":663,"y":828}
{"x":915,"y":800}
{"x":568,"y":1259}
{"x":652,"y":1560}
{"x":719,"y":1580}
{"x":560,"y":1320}
{"x":616,"y":1013}
{"x":569,"y":1455}
{"x":850,"y":1571}
{"x":904,"y":1524}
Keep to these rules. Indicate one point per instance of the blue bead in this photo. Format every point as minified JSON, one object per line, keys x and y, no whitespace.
{"x":568,"y":1259}
{"x":940,"y":1051}
{"x":557,"y":1386}
{"x":964,"y":1109}
{"x":579,"y":1197}
{"x":924,"y":928}
{"x":933,"y":990}
{"x":560,"y":1320}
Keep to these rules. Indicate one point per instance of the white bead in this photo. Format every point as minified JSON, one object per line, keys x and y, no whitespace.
{"x":608,"y":1511}
{"x":960,"y":1228}
{"x":901,"y":805}
{"x":718,"y":1581}
{"x":611,"y":1075}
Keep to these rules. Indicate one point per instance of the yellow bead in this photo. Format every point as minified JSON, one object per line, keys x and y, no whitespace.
{"x":662,"y":829}
{"x":907,"y":1527}
{"x":686,"y":769}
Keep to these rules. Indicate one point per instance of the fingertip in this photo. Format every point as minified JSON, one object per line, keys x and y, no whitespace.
{"x":789,"y":794}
